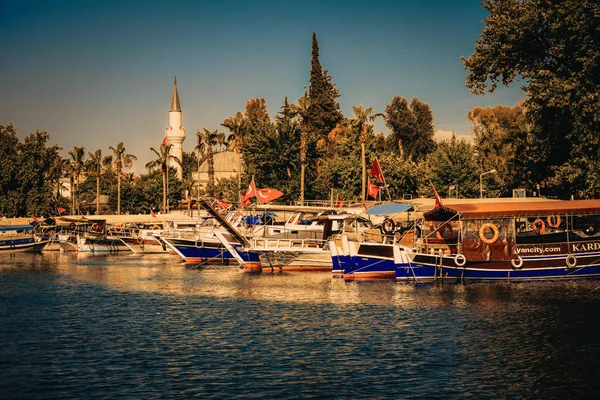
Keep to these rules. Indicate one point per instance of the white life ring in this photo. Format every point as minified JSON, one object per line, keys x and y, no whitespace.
{"x":460,"y":260}
{"x":571,"y":261}
{"x":517,"y":263}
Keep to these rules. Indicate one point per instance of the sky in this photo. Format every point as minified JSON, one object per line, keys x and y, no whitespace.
{"x":96,"y":73}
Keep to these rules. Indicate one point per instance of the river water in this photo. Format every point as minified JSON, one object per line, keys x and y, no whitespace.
{"x":80,"y":326}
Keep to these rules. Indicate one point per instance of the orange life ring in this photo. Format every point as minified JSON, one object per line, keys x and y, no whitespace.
{"x":440,"y":233}
{"x":557,"y":220}
{"x":494,"y":229}
{"x":118,"y":228}
{"x":539,"y":226}
{"x":155,"y":227}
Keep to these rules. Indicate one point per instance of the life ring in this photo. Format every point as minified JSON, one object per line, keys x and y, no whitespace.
{"x":571,"y":261}
{"x":97,"y":228}
{"x":440,"y":233}
{"x":72,"y":226}
{"x":140,"y":240}
{"x":388,"y":226}
{"x":155,"y":227}
{"x":460,"y":260}
{"x":118,"y":228}
{"x":555,"y":218}
{"x":517,"y":263}
{"x":201,"y":243}
{"x":539,"y":226}
{"x":494,"y":229}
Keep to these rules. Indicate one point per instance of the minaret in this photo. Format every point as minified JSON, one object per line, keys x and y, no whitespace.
{"x":175,"y":132}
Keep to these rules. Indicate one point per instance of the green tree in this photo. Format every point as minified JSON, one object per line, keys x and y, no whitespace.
{"x":57,"y":171}
{"x":120,"y":160}
{"x":303,"y":109}
{"x":94,"y":166}
{"x":9,"y":170}
{"x":553,"y":47}
{"x":325,"y":112}
{"x":236,"y":126}
{"x":412,"y":127}
{"x":76,"y":162}
{"x":362,"y":119}
{"x":451,"y":163}
{"x":207,"y":141}
{"x":161,"y":163}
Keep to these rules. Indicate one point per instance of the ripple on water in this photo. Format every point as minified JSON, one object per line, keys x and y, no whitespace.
{"x":116,"y":326}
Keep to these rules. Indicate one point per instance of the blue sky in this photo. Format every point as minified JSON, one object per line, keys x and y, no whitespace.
{"x":94,"y":73}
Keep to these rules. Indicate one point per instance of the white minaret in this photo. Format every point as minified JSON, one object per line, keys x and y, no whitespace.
{"x":175,"y":132}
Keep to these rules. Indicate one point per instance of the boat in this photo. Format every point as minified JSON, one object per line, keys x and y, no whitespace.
{"x":141,"y":237}
{"x":510,"y":241}
{"x":499,"y":241}
{"x":20,"y":238}
{"x":374,"y":251}
{"x":88,"y":235}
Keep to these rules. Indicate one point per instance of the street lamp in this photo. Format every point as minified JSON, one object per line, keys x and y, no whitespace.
{"x":492,"y":171}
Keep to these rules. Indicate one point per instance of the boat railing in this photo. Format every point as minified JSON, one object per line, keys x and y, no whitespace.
{"x":287,"y":244}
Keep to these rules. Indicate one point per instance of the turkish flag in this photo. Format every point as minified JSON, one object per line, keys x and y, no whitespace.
{"x":372,"y":189}
{"x":339,"y":202}
{"x":376,"y":171}
{"x":251,"y":192}
{"x":438,"y":200}
{"x":222,"y":204}
{"x":61,"y":210}
{"x":267,"y":195}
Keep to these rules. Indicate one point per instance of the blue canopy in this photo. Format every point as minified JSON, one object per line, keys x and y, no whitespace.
{"x":389,"y":208}
{"x":8,"y":228}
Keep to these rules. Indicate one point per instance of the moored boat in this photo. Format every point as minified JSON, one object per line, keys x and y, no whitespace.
{"x":20,"y":238}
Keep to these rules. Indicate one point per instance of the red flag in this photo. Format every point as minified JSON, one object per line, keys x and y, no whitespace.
{"x":222,"y":204}
{"x":61,"y":210}
{"x":376,"y":171}
{"x":267,"y":195}
{"x":339,"y":202}
{"x":152,"y":213}
{"x":251,"y":192}
{"x":438,"y":200}
{"x":372,"y":189}
{"x":165,"y":140}
{"x":365,"y":205}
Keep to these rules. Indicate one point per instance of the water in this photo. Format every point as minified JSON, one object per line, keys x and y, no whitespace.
{"x":74,"y":326}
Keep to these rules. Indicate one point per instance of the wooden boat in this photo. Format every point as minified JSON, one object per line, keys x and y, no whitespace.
{"x":20,"y":238}
{"x":507,"y":241}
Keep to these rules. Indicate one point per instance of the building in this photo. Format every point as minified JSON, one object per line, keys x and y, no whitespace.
{"x":226,"y":165}
{"x":175,"y":132}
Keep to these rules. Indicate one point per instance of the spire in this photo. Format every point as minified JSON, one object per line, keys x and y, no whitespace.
{"x":175,"y":106}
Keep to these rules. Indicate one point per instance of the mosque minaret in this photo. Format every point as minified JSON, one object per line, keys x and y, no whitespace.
{"x":175,"y":132}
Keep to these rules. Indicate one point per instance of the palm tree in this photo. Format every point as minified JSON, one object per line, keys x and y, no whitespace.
{"x":76,"y":163}
{"x":361,"y":122}
{"x":207,"y":140}
{"x":303,"y":110}
{"x":56,"y":172}
{"x":236,"y":126}
{"x":94,"y":166}
{"x":121,"y":160}
{"x":164,"y":158}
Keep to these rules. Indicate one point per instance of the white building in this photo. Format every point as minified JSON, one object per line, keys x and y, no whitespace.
{"x":175,"y":132}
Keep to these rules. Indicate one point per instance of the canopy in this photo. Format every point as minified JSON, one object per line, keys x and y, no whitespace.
{"x":389,"y":208}
{"x":8,"y":228}
{"x":514,"y":209}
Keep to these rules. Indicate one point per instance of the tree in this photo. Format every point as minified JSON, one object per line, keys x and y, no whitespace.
{"x":412,"y":127}
{"x":207,"y":140}
{"x":94,"y":166}
{"x":362,"y":118}
{"x":76,"y":162}
{"x":325,"y":112}
{"x":56,"y":173}
{"x":161,"y":162}
{"x":304,"y":111}
{"x":553,"y":46}
{"x":236,"y":126}
{"x":120,"y":160}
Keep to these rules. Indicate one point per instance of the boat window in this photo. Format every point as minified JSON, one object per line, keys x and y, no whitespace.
{"x":378,"y":251}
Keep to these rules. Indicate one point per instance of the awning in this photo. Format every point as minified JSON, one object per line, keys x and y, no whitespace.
{"x":389,"y":208}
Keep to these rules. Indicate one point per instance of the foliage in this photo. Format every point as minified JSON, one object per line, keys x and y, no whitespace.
{"x":411,"y":126}
{"x":553,"y":46}
{"x":25,"y":186}
{"x":207,"y":140}
{"x":451,"y":163}
{"x":325,"y":113}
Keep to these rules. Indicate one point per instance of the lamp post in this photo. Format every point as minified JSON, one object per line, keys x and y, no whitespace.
{"x":492,"y":171}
